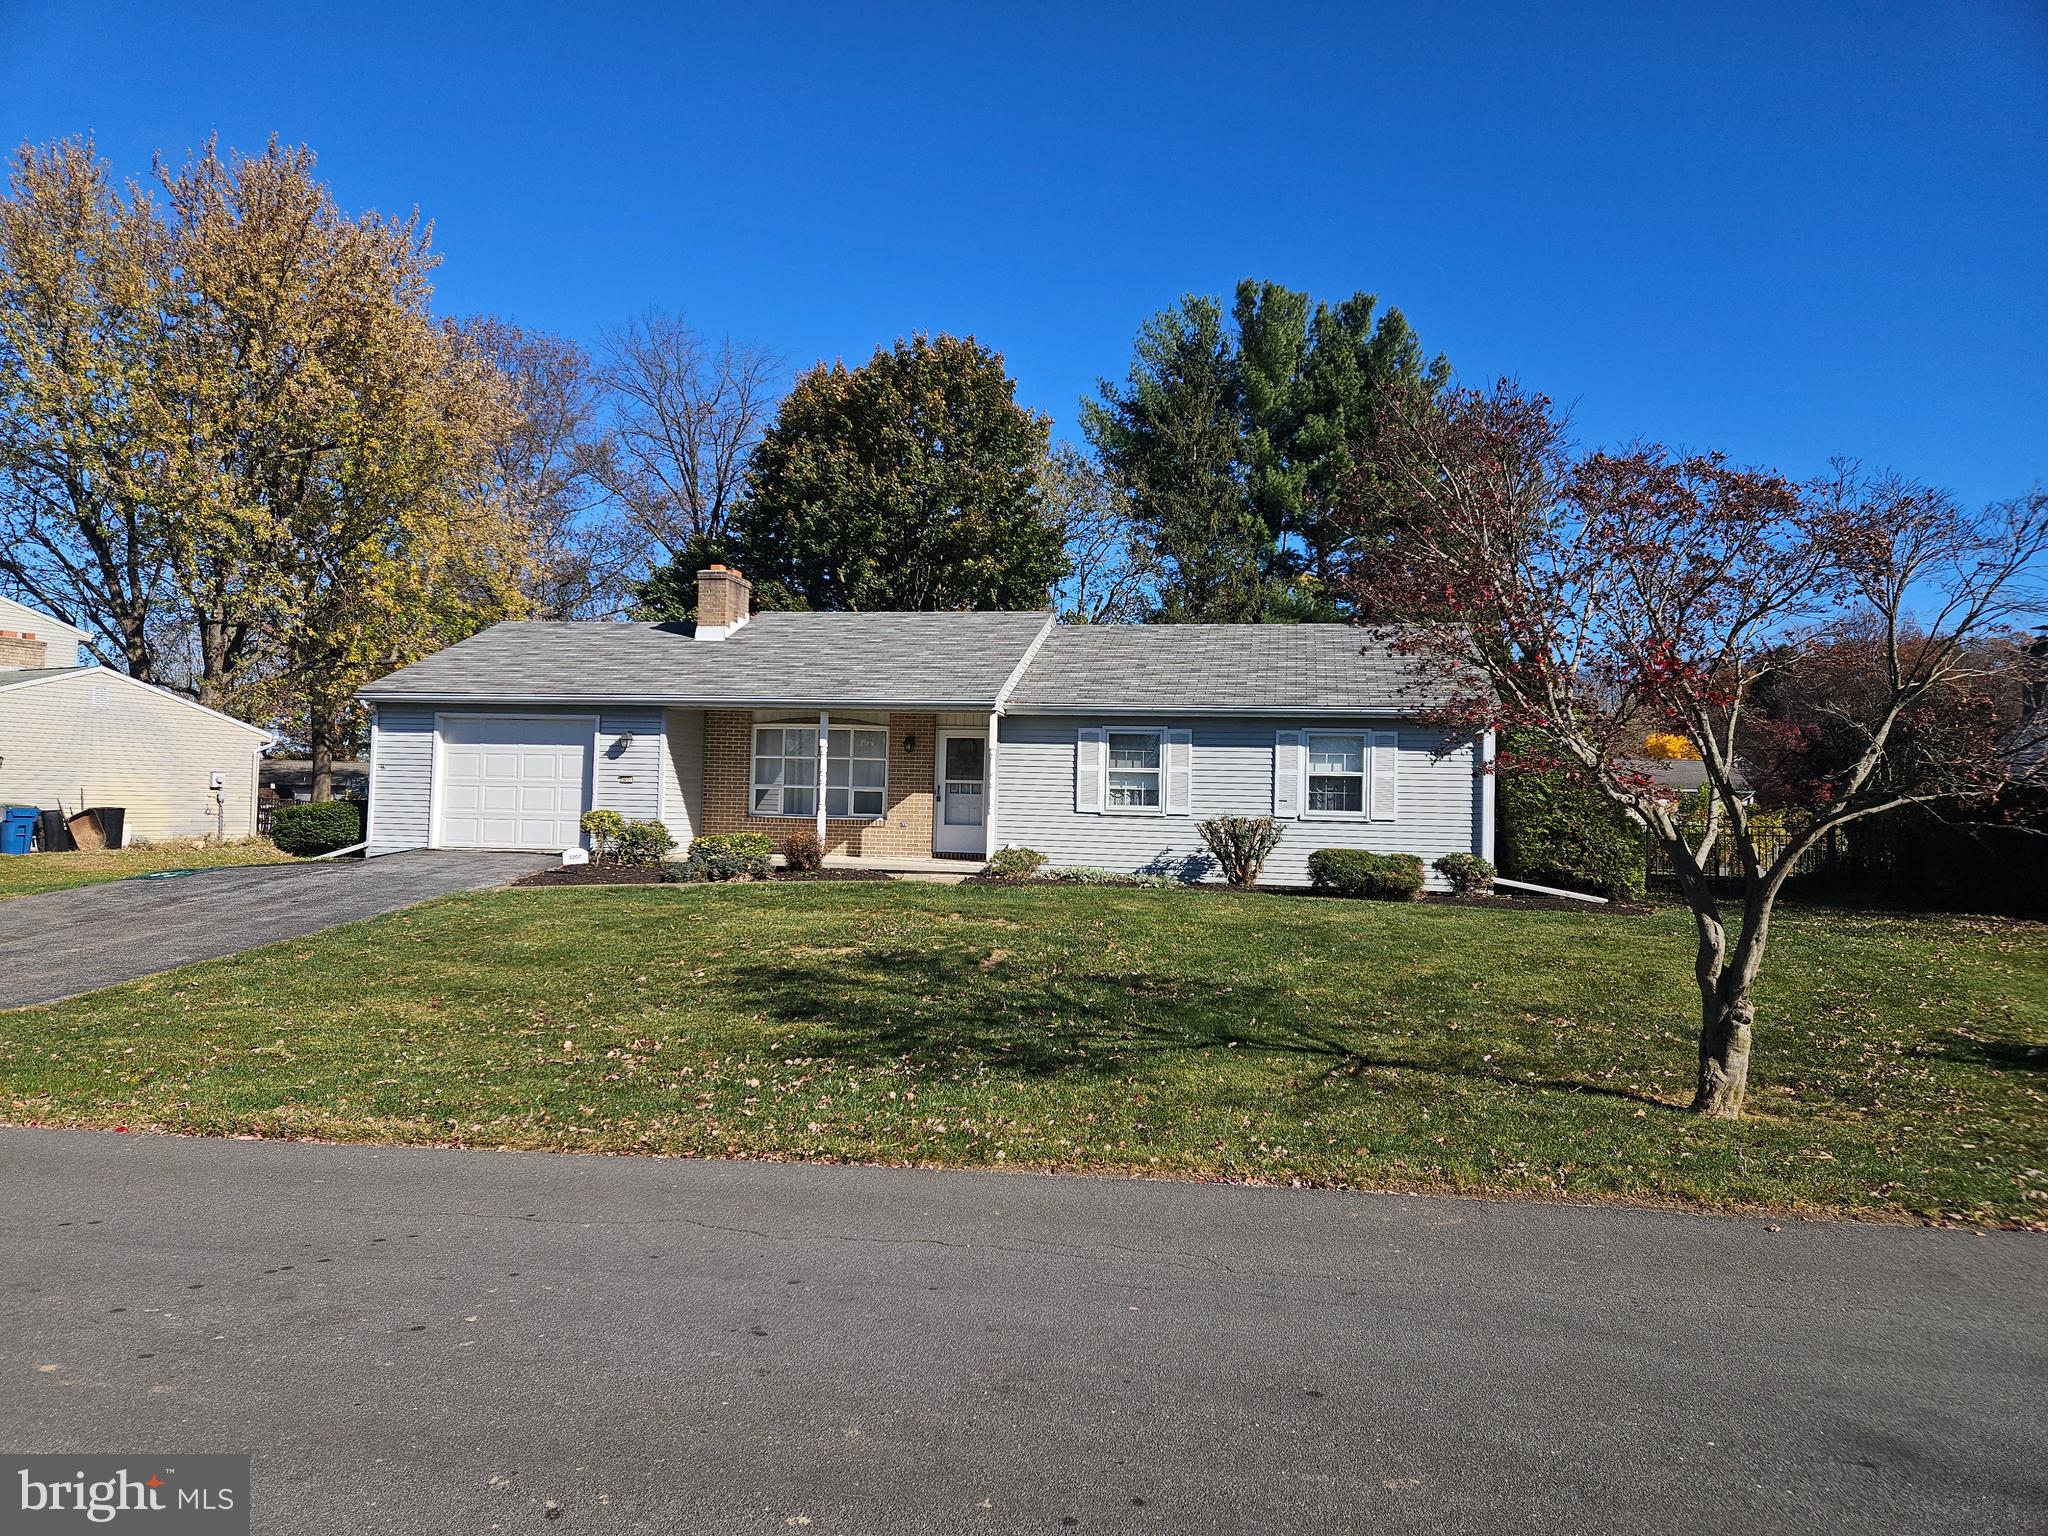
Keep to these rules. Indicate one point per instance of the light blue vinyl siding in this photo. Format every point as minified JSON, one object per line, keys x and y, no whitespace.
{"x":628,"y":776}
{"x":1440,"y":810}
{"x":403,"y":768}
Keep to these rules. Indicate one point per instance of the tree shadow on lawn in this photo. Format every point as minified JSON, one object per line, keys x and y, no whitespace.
{"x":904,"y":1005}
{"x":1998,"y":1054}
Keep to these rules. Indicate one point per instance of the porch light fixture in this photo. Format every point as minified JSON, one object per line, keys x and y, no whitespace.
{"x":910,"y":741}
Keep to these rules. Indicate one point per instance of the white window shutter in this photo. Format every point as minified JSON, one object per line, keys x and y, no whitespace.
{"x":1287,"y":775}
{"x":1180,"y":771}
{"x":1089,"y":753}
{"x":1386,"y":775}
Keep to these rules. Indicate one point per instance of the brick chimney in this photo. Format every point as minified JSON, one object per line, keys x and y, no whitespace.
{"x":724,"y":598}
{"x":21,"y":651}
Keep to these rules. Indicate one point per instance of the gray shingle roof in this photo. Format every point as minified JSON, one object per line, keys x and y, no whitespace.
{"x":1234,"y":667}
{"x":32,"y":674}
{"x":936,"y":660}
{"x":1683,"y":775}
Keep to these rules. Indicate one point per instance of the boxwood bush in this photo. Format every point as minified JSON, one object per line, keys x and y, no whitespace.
{"x":319,"y":826}
{"x":1376,"y":876}
{"x":1468,"y":874}
{"x":643,"y":844}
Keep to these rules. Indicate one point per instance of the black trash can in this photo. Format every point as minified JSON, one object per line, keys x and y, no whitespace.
{"x":56,"y":836}
{"x":113,"y":820}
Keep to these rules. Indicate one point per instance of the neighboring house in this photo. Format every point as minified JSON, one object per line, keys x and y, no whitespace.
{"x":287,"y":779}
{"x":901,"y":737}
{"x":78,"y":737}
{"x":1676,"y":777}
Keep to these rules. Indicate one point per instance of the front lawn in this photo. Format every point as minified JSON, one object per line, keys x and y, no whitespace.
{"x":1902,"y":1067}
{"x":24,"y":874}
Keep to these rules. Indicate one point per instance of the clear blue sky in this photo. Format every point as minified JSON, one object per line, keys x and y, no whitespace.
{"x":1785,"y":230}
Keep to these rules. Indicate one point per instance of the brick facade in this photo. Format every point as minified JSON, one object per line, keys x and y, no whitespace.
{"x":903,"y":831}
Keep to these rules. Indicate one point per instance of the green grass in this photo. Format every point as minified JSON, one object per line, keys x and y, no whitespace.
{"x":25,"y":874}
{"x":1902,"y":1063}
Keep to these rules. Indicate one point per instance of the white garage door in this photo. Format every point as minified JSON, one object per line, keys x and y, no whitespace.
{"x":513,"y":783}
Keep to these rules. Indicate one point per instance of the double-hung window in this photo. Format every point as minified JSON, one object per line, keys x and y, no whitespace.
{"x":786,"y":771}
{"x":1134,"y":771}
{"x":1336,"y":773}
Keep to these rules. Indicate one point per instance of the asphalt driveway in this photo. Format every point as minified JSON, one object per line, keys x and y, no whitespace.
{"x":62,"y":943}
{"x":410,"y":1339}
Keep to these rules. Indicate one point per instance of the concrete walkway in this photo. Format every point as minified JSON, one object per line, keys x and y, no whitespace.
{"x":65,"y":942}
{"x":415,"y":1340}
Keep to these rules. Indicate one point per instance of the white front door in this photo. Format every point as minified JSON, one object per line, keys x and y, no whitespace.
{"x":513,"y":781}
{"x":963,"y":793}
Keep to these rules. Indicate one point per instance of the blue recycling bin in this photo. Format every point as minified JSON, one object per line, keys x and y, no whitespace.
{"x":18,"y":828}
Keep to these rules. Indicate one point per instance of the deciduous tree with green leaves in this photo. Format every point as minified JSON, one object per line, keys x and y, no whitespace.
{"x":911,"y":482}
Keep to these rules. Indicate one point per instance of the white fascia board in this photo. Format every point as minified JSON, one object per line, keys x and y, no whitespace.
{"x":489,"y":701}
{"x":1252,"y":711}
{"x":1023,"y":665}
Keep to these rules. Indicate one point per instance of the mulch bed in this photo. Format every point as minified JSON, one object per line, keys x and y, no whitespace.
{"x":618,"y":874}
{"x":629,"y":874}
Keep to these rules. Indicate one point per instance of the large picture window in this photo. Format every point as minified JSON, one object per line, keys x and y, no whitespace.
{"x":857,"y":772}
{"x":1133,"y":778}
{"x":786,"y":771}
{"x":1336,"y":774}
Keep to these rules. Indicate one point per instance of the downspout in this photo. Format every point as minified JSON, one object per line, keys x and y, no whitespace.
{"x":1489,"y":777}
{"x":989,"y":843}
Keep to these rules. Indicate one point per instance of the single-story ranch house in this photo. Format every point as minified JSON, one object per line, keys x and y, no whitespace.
{"x":908,"y":737}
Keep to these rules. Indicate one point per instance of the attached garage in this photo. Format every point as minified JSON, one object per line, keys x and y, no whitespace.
{"x":513,"y":781}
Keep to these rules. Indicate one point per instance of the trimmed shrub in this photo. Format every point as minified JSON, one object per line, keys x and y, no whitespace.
{"x":1556,"y":831}
{"x":802,"y":852}
{"x":1013,"y":864}
{"x":743,"y":845}
{"x":604,"y":829}
{"x":1375,"y":876}
{"x":320,"y":826}
{"x":1241,"y":844}
{"x":1468,"y":873}
{"x":642,"y":844}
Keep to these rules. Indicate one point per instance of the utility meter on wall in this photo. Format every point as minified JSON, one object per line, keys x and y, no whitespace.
{"x":216,"y":782}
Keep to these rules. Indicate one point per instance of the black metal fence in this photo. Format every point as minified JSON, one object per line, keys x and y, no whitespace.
{"x":1725,"y":863}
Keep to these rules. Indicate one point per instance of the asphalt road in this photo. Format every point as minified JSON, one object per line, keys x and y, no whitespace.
{"x":426,"y":1341}
{"x":62,"y":943}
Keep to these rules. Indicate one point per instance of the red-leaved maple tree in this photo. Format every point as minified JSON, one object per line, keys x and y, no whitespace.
{"x":1608,"y":595}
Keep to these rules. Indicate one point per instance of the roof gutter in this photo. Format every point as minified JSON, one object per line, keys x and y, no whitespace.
{"x":645,"y":701}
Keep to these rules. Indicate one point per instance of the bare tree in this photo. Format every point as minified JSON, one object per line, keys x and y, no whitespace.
{"x":548,"y":467}
{"x":1111,"y":567}
{"x":1590,"y":598}
{"x":686,"y":413}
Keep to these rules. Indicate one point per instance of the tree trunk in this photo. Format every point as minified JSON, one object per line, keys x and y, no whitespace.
{"x":321,"y":733}
{"x":1727,"y":1017}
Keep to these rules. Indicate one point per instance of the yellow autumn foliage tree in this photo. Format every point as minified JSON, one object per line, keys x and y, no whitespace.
{"x":1663,"y":747}
{"x":234,"y":430}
